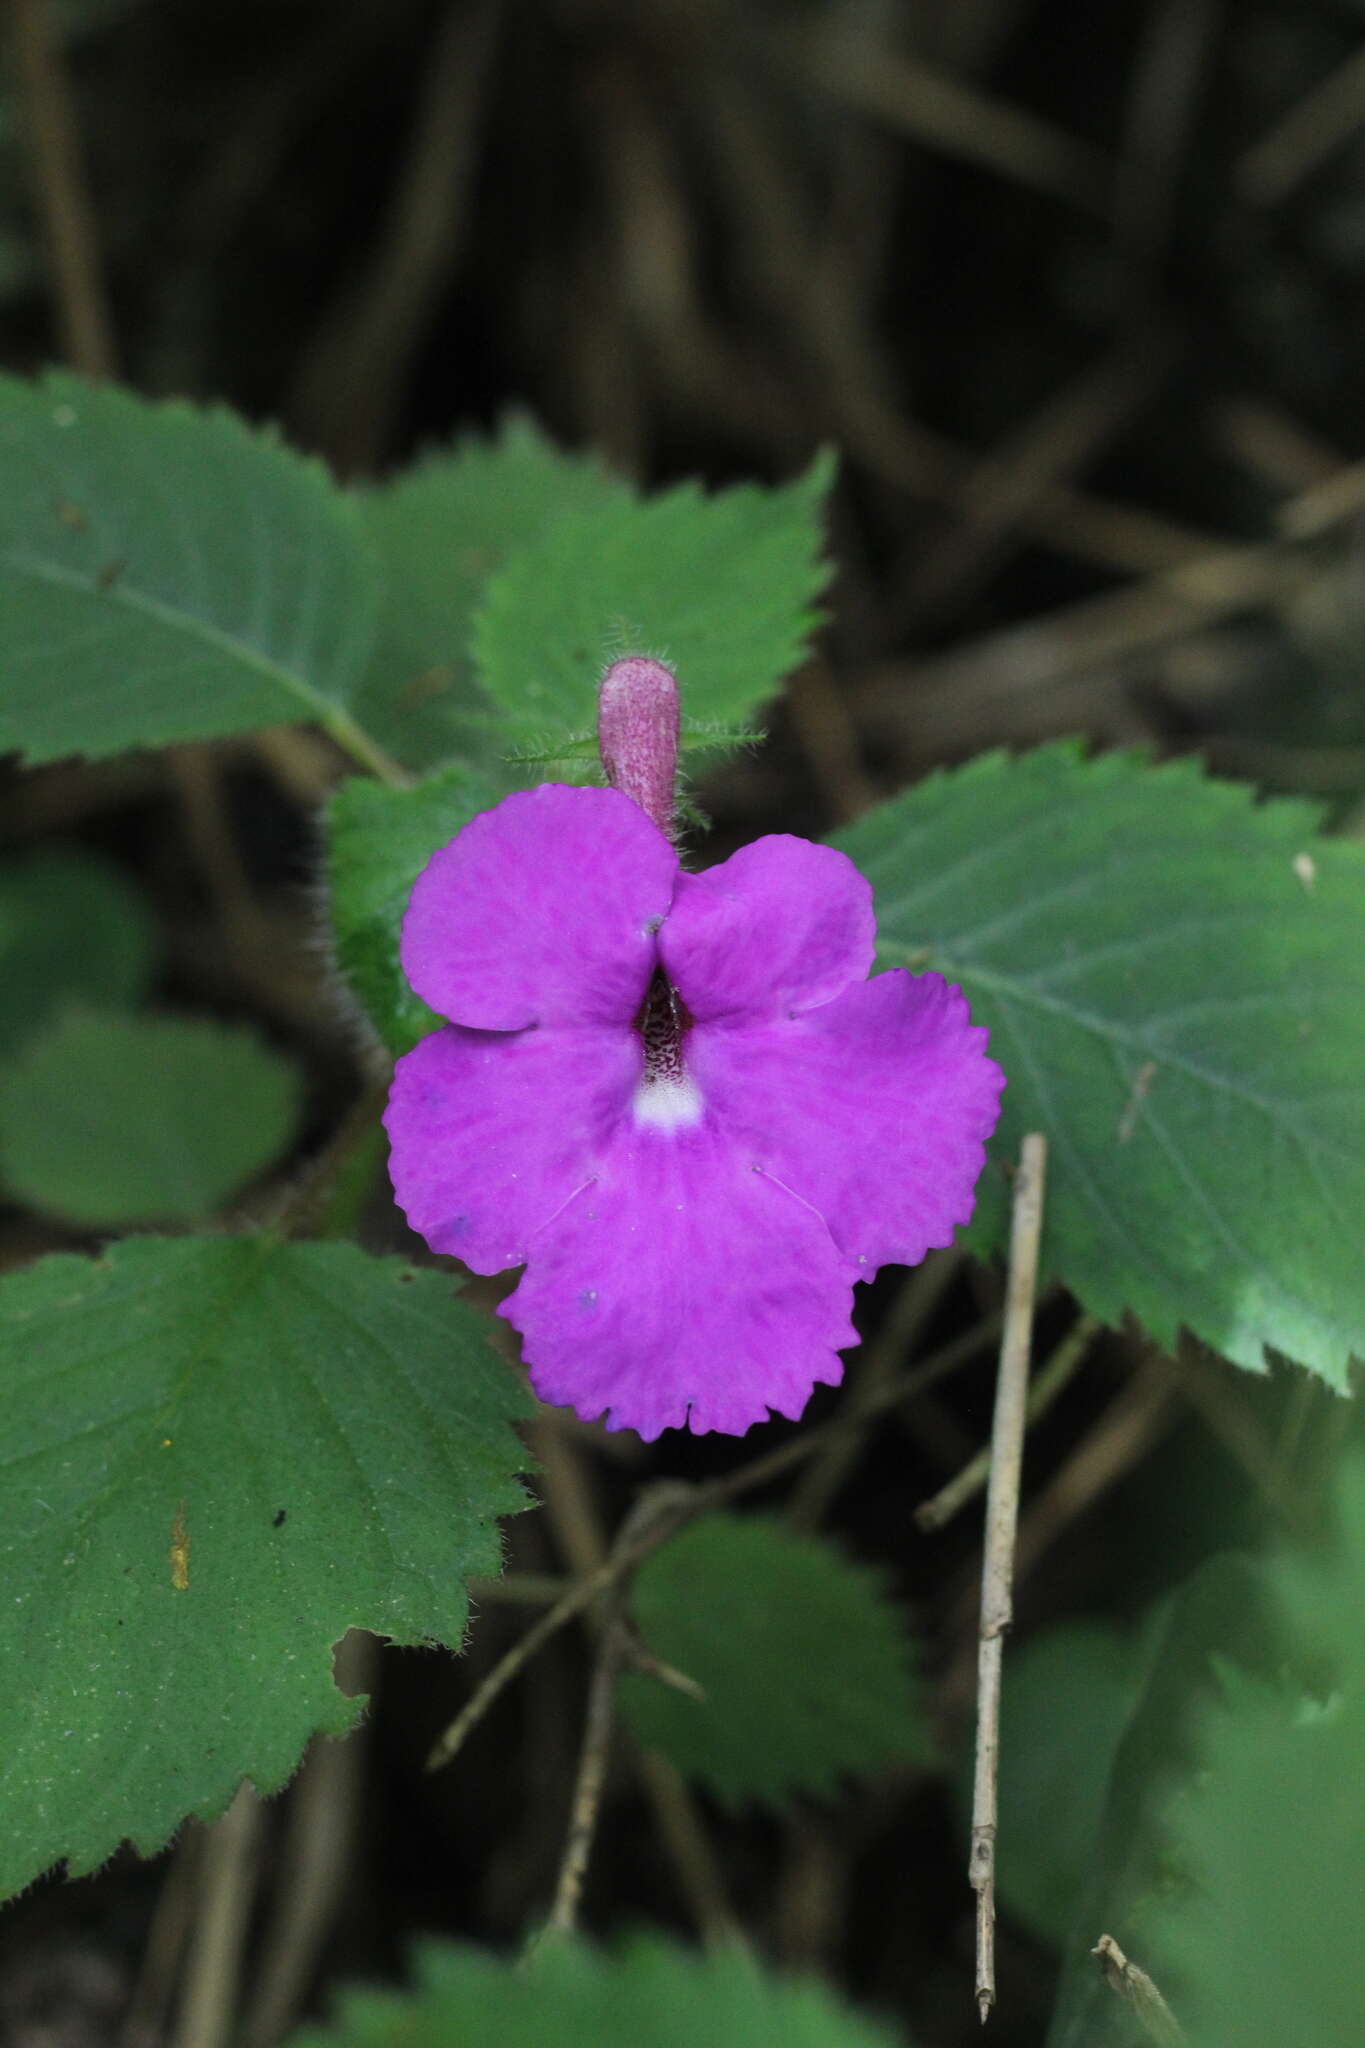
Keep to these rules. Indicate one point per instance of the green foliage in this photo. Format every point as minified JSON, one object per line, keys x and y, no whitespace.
{"x":1068,"y":1694}
{"x":804,"y":1662}
{"x":167,"y":573}
{"x":1221,"y":1618}
{"x":1174,"y":983}
{"x":441,"y":529}
{"x":71,"y":931}
{"x":1267,"y":1949}
{"x":1230,"y":1859}
{"x":378,"y":842}
{"x":723,"y":588}
{"x":220,"y":1455}
{"x":572,"y":1996}
{"x":107,"y":1119}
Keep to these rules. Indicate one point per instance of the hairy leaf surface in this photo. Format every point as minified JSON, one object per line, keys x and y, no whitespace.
{"x":167,"y":573}
{"x":441,"y":530}
{"x":378,"y":842}
{"x":722,"y":588}
{"x":221,"y":1454}
{"x":1174,"y":983}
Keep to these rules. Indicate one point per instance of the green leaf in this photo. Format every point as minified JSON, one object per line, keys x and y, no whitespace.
{"x":167,"y":573}
{"x":107,"y":1119}
{"x":572,"y":1996}
{"x":71,"y":931}
{"x":722,"y":588}
{"x":441,"y":529}
{"x":1230,"y":1859}
{"x":1266,"y":1949}
{"x":378,"y":842}
{"x":1174,"y":982}
{"x":1222,"y":1617}
{"x":804,"y":1662}
{"x":220,"y":1454}
{"x":1068,"y":1694}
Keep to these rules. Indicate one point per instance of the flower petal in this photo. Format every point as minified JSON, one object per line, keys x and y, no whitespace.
{"x":492,"y":1132}
{"x":874,"y":1108}
{"x":542,"y":910}
{"x":682,"y":1287}
{"x":779,"y":927}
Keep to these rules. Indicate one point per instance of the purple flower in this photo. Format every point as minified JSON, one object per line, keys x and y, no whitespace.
{"x":679,"y":1102}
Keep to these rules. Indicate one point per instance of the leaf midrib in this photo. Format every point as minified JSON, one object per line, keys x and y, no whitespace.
{"x":130,"y":598}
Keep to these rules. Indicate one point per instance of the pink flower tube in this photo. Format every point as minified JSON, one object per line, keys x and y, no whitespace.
{"x":679,"y":1102}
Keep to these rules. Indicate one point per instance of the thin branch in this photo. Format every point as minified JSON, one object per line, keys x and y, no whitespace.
{"x":997,"y":1569}
{"x":592,"y":1768}
{"x":1048,"y":1383}
{"x":1315,"y":125}
{"x":905,"y":1320}
{"x":323,"y":1812}
{"x":227,"y":1886}
{"x":688,"y":1502}
{"x":144,"y":2023}
{"x":1138,"y":1992}
{"x":63,"y":194}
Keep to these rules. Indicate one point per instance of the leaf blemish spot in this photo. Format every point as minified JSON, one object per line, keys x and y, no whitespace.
{"x":1306,"y":868}
{"x":180,"y":1551}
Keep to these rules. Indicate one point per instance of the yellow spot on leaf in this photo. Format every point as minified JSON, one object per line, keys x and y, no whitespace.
{"x":180,"y":1551}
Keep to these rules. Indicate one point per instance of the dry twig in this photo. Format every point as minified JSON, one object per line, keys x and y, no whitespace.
{"x":1137,"y":1990}
{"x":227,"y":1886}
{"x":1047,"y":1385}
{"x":997,"y":1569}
{"x":63,"y":194}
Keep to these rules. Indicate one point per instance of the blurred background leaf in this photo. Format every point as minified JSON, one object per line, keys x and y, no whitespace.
{"x":802,"y":1661}
{"x":108,"y":1119}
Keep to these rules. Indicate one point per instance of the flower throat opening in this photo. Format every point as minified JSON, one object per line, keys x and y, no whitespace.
{"x":667,"y":1096}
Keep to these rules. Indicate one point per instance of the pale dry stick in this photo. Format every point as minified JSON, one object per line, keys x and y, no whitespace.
{"x":655,"y":1506}
{"x":578,"y":1526}
{"x":592,"y":1775}
{"x":692,"y":1501}
{"x":63,"y":193}
{"x":1137,"y":1991}
{"x":1050,"y":1380}
{"x":907,"y":1317}
{"x":227,"y":1885}
{"x":997,"y":1566}
{"x":1315,"y":125}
